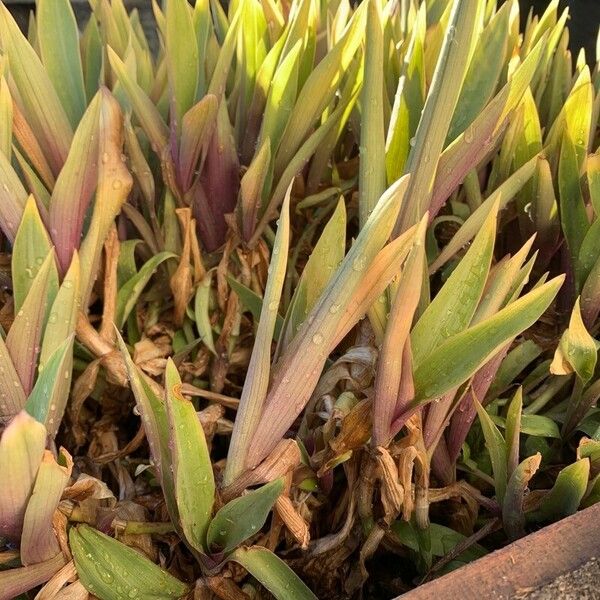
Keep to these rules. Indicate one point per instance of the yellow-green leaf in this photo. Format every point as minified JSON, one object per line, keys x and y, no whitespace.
{"x":182,"y":57}
{"x":576,"y":351}
{"x":459,"y":357}
{"x":192,"y":469}
{"x":42,"y":106}
{"x":30,"y":248}
{"x":452,"y":309}
{"x":24,"y":337}
{"x":496,"y":446}
{"x":566,"y":493}
{"x":273,"y":573}
{"x":111,"y":570}
{"x":242,"y":517}
{"x":58,"y":38}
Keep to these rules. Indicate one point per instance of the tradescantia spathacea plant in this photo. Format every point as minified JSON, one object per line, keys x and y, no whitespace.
{"x":304,"y":287}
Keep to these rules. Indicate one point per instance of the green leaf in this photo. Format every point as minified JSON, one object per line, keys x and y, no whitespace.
{"x":201,"y":312}
{"x":573,"y":214}
{"x":540,"y":426}
{"x":324,"y":259}
{"x":24,"y":337}
{"x":114,"y":184}
{"x":146,"y":112}
{"x":338,"y":307}
{"x":437,"y":113}
{"x":42,"y":106}
{"x":15,"y":397}
{"x":372,"y":177}
{"x":497,"y":450}
{"x":192,"y":469}
{"x":126,"y":267}
{"x":459,"y":357}
{"x":443,"y":540}
{"x":6,"y":118}
{"x":33,"y":182}
{"x":593,"y":494}
{"x":408,"y":103}
{"x":503,"y":195}
{"x":545,"y":215}
{"x":198,"y":126}
{"x":273,"y":573}
{"x":30,"y":248}
{"x":474,"y":144}
{"x":253,"y":302}
{"x":452,"y":309}
{"x":484,"y":72}
{"x":252,"y":186}
{"x":62,"y":319}
{"x":513,"y":430}
{"x":13,"y":198}
{"x":48,"y":399}
{"x":297,"y":163}
{"x":75,"y":186}
{"x":130,"y":292}
{"x":182,"y":57}
{"x":58,"y":38}
{"x":242,"y":517}
{"x":111,"y":570}
{"x":528,"y":143}
{"x":566,"y":493}
{"x":504,"y":283}
{"x":593,"y":174}
{"x":156,"y":426}
{"x":576,"y":351}
{"x":319,"y":89}
{"x":92,"y":58}
{"x":281,"y":99}
{"x":221,"y":71}
{"x":513,"y":517}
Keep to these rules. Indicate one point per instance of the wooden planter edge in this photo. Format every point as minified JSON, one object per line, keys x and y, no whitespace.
{"x":523,"y":566}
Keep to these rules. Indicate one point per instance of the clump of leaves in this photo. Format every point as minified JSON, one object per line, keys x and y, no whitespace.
{"x":302,"y":287}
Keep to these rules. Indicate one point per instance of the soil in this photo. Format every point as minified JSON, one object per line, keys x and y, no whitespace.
{"x":581,"y":584}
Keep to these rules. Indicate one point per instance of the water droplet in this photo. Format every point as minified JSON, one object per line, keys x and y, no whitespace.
{"x":105,"y":575}
{"x":117,"y":184}
{"x":359,"y":263}
{"x":105,"y":157}
{"x":469,"y":134}
{"x":52,"y":318}
{"x":273,"y":305}
{"x":334,"y":308}
{"x":317,"y":339}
